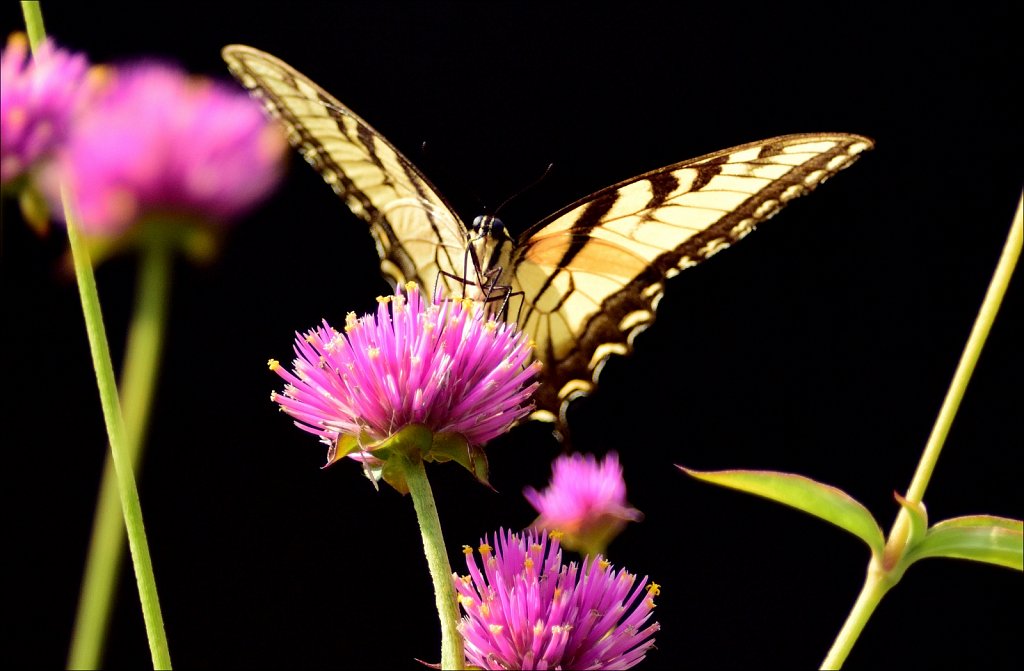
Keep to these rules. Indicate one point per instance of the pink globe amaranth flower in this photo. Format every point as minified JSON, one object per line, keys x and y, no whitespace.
{"x":39,"y":95}
{"x":443,"y":365}
{"x":527,"y":610}
{"x":585,"y":501}
{"x":158,"y":142}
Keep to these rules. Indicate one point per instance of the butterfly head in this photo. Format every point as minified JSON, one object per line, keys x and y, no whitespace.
{"x":488,"y":226}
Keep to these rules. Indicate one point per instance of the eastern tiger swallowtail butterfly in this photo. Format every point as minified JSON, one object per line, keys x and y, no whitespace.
{"x":590,"y":276}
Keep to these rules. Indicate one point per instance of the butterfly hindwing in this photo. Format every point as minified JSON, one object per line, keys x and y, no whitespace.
{"x":593,"y":273}
{"x":418,"y":235}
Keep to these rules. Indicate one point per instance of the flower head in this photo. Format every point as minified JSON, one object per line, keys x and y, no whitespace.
{"x":158,"y":141}
{"x":38,"y":98}
{"x":442,"y":365}
{"x":586,"y":501}
{"x":528,"y":610}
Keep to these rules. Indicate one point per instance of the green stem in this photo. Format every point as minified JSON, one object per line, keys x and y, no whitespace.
{"x":875,"y":586}
{"x":33,"y":23}
{"x":116,"y":432}
{"x":452,"y":654}
{"x":138,"y":381}
{"x":885,"y":571}
{"x":979,"y":333}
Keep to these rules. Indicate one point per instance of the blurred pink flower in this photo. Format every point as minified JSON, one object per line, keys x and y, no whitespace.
{"x":38,"y":97}
{"x":527,"y":610}
{"x":442,"y":364}
{"x":586,"y":501}
{"x":159,"y":142}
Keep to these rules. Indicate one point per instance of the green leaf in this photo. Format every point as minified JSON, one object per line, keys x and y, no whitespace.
{"x":984,"y":538}
{"x":34,"y":209}
{"x":413,"y":441}
{"x":342,"y":447}
{"x":823,"y":501}
{"x":392,"y":473}
{"x":453,"y":447}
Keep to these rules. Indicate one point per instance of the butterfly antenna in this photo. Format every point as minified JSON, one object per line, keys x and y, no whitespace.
{"x":534,"y":183}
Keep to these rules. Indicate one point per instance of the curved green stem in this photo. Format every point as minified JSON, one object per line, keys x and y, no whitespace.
{"x":885,"y":571}
{"x":138,"y":381}
{"x":452,"y":654}
{"x":116,"y":432}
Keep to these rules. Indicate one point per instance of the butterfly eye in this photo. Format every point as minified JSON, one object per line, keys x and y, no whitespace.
{"x":482,"y":223}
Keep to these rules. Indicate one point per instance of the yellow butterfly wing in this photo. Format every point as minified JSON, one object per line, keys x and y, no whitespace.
{"x":593,"y":273}
{"x":419,"y":237}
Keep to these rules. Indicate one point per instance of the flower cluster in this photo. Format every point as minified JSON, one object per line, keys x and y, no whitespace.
{"x":443,"y":365}
{"x":145,"y":141}
{"x":160,"y":142}
{"x":527,"y":610}
{"x":586,"y":501}
{"x":38,"y":98}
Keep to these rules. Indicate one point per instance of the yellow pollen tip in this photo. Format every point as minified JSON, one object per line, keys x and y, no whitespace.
{"x":383,"y":299}
{"x":411,"y":286}
{"x":556,"y":535}
{"x":466,"y":550}
{"x":309,"y":338}
{"x":654,"y":589}
{"x":604,"y":563}
{"x":273,"y":364}
{"x":485,"y":549}
{"x":495,"y":628}
{"x":373,"y":352}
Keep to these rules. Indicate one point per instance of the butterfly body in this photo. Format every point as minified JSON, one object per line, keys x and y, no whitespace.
{"x":582,"y":282}
{"x":487,"y":262}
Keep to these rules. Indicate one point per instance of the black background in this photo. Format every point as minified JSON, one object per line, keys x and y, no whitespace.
{"x":821,"y":345}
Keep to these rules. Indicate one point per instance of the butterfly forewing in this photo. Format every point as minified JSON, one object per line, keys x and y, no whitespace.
{"x":593,"y":273}
{"x":418,"y":235}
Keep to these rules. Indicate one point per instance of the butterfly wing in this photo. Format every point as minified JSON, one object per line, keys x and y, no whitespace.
{"x":419,"y":237}
{"x":593,"y":273}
